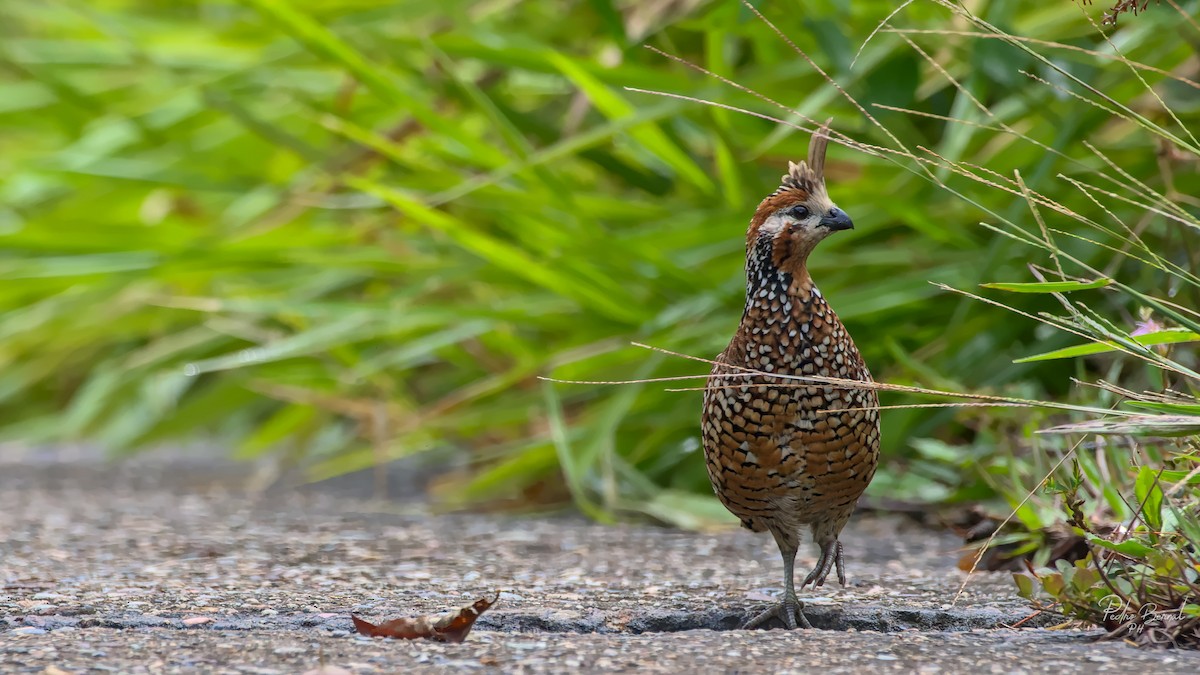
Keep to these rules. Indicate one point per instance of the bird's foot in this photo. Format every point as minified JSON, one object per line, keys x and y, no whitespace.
{"x":831,"y":557}
{"x":790,"y":611}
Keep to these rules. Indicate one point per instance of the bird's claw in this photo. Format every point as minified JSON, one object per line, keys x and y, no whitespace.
{"x":831,"y":557}
{"x":789,"y":610}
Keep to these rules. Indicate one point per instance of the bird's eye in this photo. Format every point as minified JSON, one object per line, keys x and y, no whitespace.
{"x":799,"y":212}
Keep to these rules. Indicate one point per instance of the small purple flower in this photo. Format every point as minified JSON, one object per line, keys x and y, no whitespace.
{"x":1145,"y":327}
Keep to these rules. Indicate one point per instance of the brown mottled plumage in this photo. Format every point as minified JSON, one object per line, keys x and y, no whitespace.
{"x":780,"y":455}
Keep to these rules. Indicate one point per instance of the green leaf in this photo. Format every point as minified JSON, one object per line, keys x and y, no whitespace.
{"x":1085,"y":577}
{"x":1129,"y":547}
{"x":574,"y":470}
{"x":1169,"y":408}
{"x":1048,"y":286}
{"x":1136,"y":425}
{"x":1053,"y":584}
{"x":1024,"y":585}
{"x":502,"y":253}
{"x":1149,"y":495}
{"x":686,"y":510}
{"x":304,"y":343}
{"x":615,"y":107}
{"x":93,"y":397}
{"x":78,"y":265}
{"x":276,"y":429}
{"x":518,"y":470}
{"x":1162,"y":337}
{"x":318,"y":38}
{"x":1171,"y":477}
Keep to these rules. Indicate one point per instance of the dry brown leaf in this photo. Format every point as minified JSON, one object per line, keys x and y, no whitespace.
{"x":452,"y":626}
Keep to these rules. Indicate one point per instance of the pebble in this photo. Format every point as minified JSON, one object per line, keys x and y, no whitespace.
{"x":28,"y":630}
{"x":525,"y":645}
{"x":328,"y":670}
{"x":290,"y":651}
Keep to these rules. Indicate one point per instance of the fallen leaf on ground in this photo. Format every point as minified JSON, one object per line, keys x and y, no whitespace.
{"x":452,"y":626}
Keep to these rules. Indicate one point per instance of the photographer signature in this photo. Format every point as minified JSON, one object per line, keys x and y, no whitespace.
{"x":1145,"y":616}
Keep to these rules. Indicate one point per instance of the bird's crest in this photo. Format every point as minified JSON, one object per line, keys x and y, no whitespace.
{"x":809,"y":175}
{"x":804,"y":182}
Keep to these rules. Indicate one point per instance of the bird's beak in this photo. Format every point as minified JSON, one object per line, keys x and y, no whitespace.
{"x":837,"y":220}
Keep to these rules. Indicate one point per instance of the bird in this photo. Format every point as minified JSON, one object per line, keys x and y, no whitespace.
{"x":782,"y":452}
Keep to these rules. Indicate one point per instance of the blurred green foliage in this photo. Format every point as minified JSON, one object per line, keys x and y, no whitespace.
{"x":351,"y":231}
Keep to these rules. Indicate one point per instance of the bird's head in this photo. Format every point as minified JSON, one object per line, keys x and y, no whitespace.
{"x":792,"y":220}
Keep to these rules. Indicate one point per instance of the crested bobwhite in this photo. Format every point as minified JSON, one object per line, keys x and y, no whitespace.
{"x":782,"y":453}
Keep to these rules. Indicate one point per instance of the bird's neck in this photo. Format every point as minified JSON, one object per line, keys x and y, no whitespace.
{"x":784,"y":314}
{"x":778,"y":273}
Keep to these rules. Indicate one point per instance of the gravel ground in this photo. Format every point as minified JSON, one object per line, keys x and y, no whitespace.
{"x":174,"y":569}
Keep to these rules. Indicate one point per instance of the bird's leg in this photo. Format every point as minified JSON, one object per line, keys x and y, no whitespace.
{"x":789,"y":610}
{"x":831,"y":556}
{"x":840,"y":565}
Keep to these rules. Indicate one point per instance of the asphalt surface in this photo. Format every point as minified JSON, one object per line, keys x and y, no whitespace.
{"x":174,"y":568}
